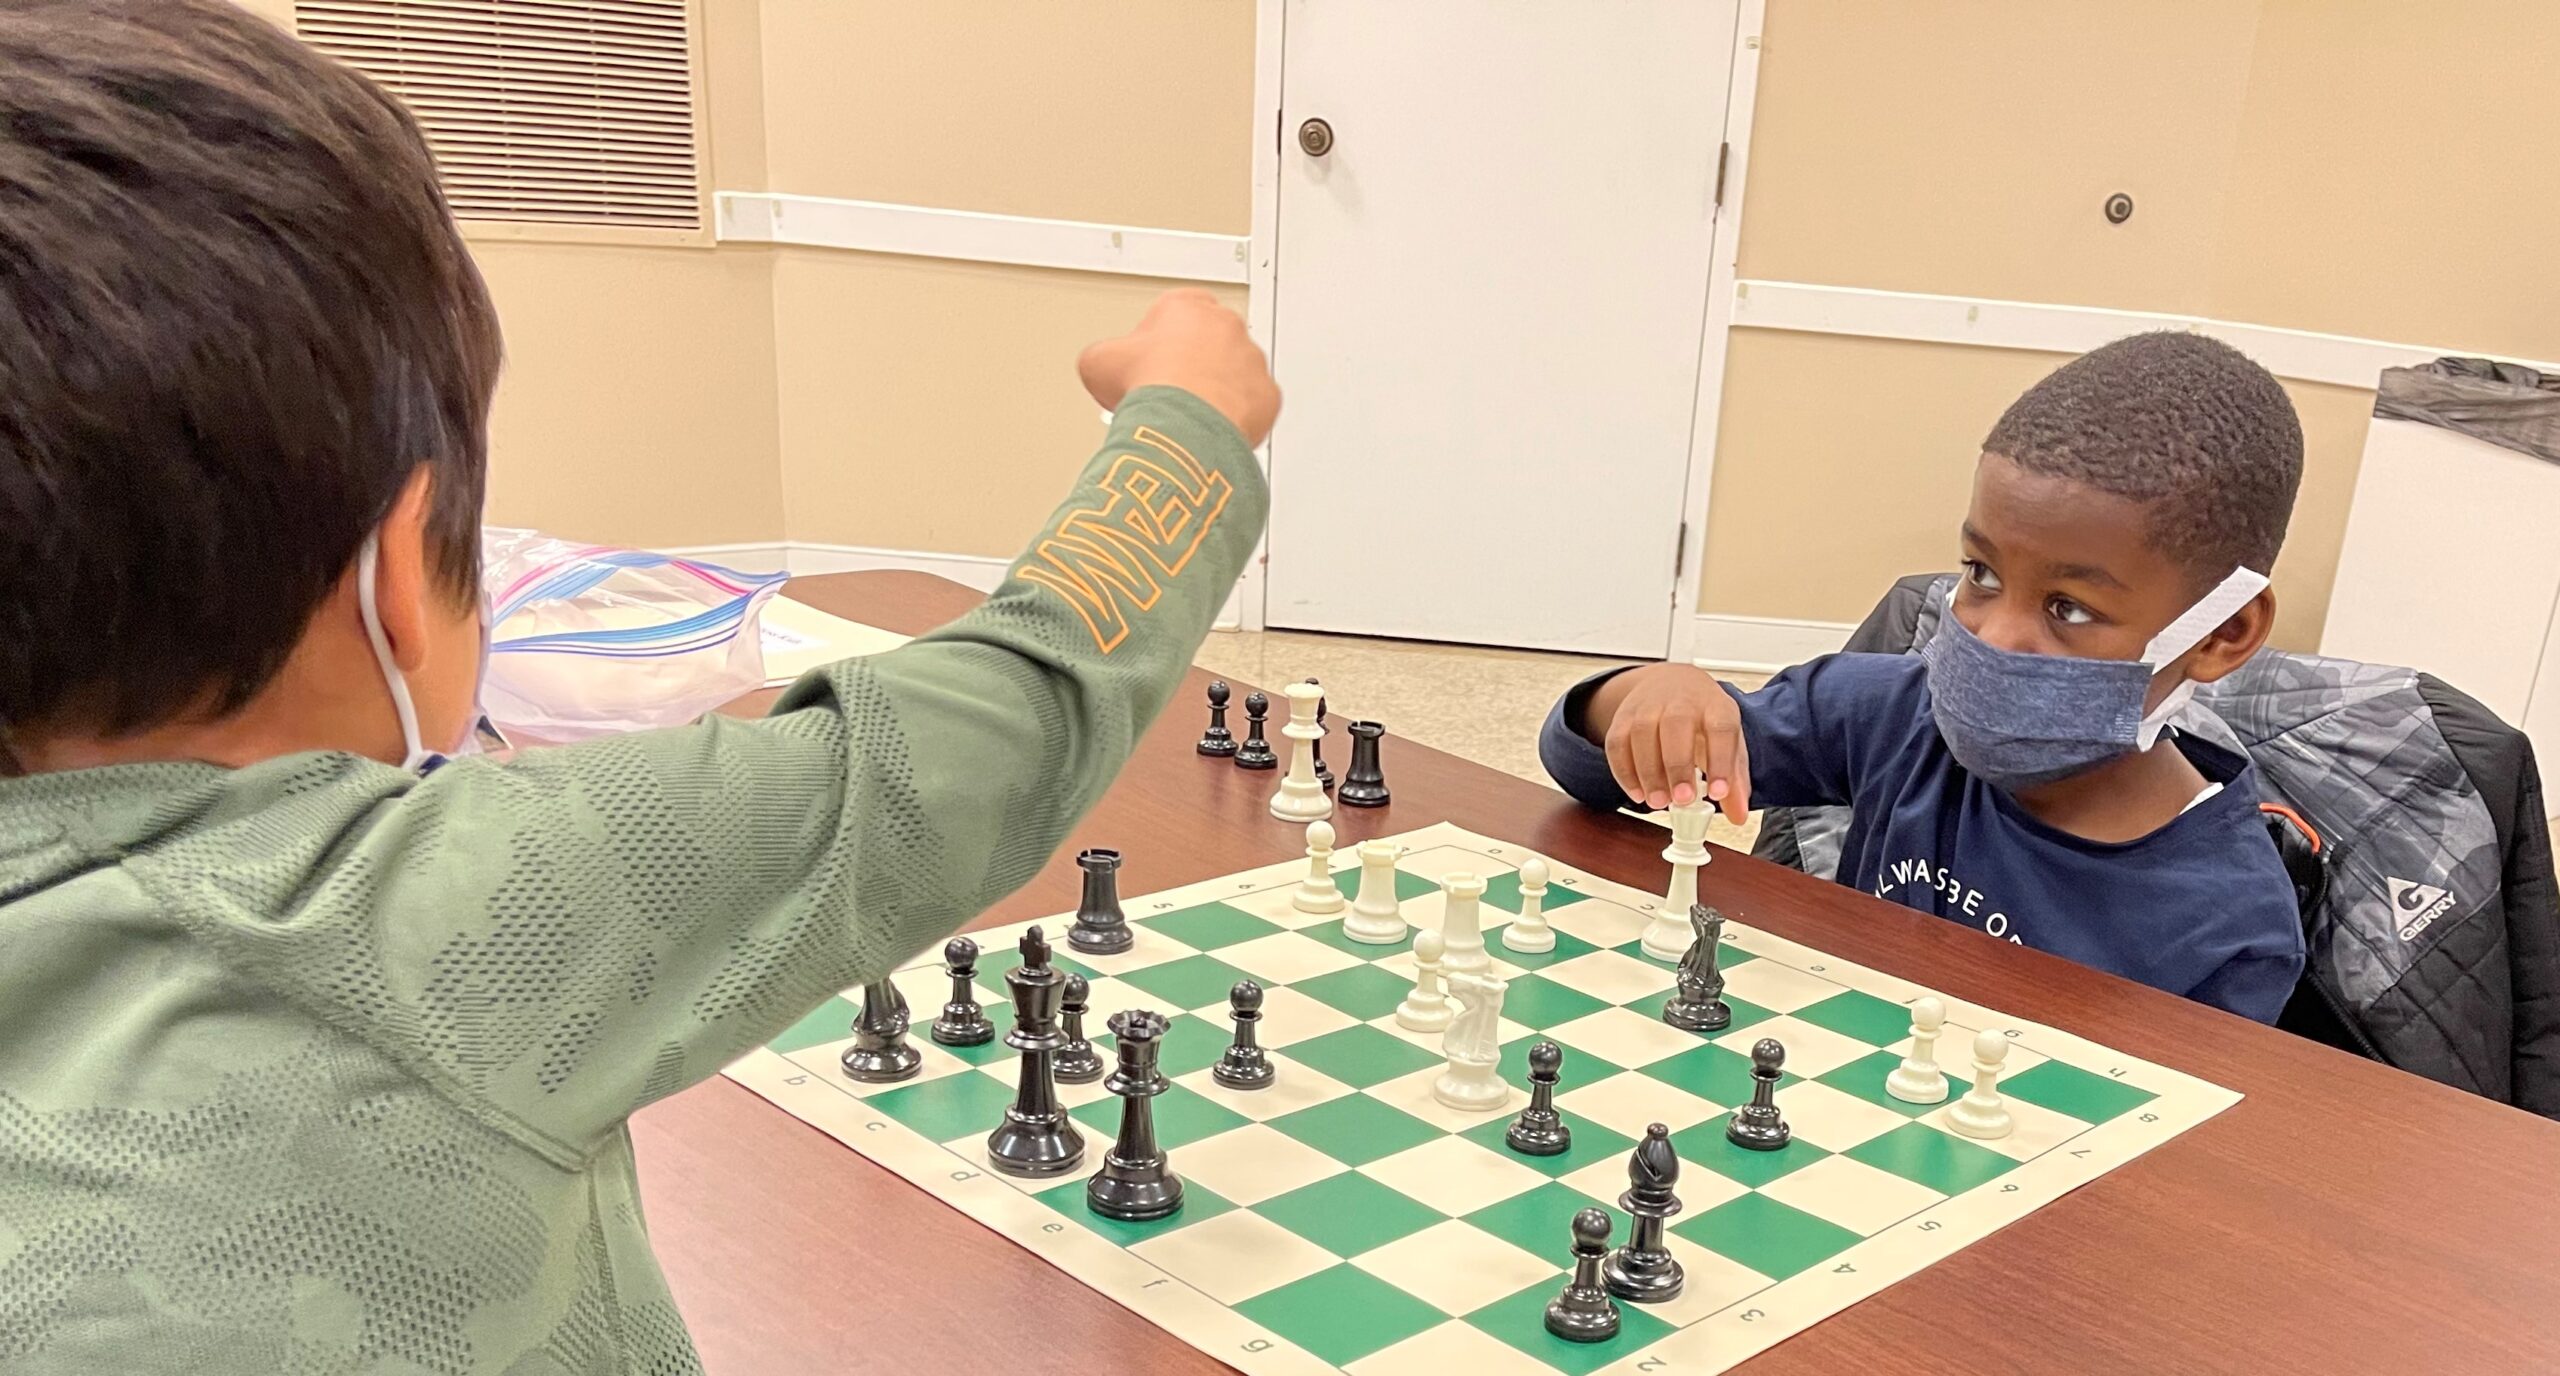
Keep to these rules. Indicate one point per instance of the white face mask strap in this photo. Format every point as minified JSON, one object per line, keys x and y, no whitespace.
{"x":368,"y":563}
{"x":2202,"y":619}
{"x":2184,"y":634}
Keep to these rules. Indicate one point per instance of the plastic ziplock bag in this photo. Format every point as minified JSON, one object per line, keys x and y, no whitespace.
{"x":589,"y":640}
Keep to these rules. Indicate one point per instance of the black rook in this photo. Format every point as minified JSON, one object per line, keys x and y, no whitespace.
{"x":1100,"y":929}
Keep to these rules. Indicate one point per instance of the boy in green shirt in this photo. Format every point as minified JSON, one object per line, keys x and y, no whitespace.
{"x":315,"y":1049}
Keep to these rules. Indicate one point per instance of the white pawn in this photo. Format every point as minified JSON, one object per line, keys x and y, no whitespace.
{"x":1918,"y":1080}
{"x":1376,"y":919}
{"x":1982,"y":1112}
{"x":1462,"y":925}
{"x":1529,"y":932}
{"x":1425,"y":1009}
{"x":1317,"y":893}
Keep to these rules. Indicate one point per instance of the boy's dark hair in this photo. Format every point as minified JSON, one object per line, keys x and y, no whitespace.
{"x":2184,"y":424}
{"x":235,"y":317}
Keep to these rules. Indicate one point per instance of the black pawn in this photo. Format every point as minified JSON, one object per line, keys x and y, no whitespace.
{"x":1699,"y":1004}
{"x":1218,"y":740}
{"x":1100,"y":929}
{"x":1035,"y":1139}
{"x":880,"y":1053}
{"x":1256,"y":753}
{"x":1243,"y":1065}
{"x":1584,"y":1313}
{"x":963,"y":1022}
{"x":1078,"y":1063}
{"x":1324,"y":772}
{"x":1756,"y":1124}
{"x":1644,"y":1270}
{"x":1364,"y":784}
{"x":1540,"y":1130}
{"x":1135,"y":1183}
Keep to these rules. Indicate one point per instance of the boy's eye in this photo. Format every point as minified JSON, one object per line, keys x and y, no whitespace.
{"x":1979,"y":574}
{"x":2070,"y":613}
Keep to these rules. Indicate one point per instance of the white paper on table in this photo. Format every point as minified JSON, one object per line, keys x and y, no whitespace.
{"x":799,"y":637}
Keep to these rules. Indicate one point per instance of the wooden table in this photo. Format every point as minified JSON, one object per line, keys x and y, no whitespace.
{"x":2344,"y":1217}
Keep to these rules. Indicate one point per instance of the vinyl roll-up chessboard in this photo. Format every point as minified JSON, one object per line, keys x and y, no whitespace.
{"x":1345,"y":1220}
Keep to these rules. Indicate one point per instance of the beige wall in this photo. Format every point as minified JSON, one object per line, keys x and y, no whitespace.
{"x":638,"y":405}
{"x":1844,"y":463}
{"x":733,"y":92}
{"x":1967,"y":148}
{"x":638,"y":402}
{"x":2394,"y":175}
{"x":2296,"y":163}
{"x":1887,"y":431}
{"x":931,"y":405}
{"x":1129,"y":112}
{"x":664,"y":396}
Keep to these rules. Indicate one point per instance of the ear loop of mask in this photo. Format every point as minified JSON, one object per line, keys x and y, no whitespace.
{"x":2184,"y":634}
{"x":368,"y":562}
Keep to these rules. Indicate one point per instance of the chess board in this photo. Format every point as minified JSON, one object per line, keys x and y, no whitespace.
{"x":1344,"y":1220}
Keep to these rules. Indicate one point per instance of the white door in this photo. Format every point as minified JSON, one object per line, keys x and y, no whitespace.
{"x":1489,"y":297}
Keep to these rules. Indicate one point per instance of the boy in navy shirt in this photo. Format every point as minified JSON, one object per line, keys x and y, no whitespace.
{"x":2016,"y":775}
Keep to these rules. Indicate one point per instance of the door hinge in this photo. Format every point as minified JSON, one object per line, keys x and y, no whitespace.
{"x":1679,"y":561}
{"x":1724,"y":155}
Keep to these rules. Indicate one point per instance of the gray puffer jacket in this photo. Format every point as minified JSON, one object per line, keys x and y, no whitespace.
{"x":2413,"y":820}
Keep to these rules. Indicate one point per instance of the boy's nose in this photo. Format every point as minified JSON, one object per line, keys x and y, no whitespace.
{"x":2005,"y":629}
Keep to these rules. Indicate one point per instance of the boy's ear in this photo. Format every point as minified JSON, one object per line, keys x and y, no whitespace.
{"x":403,"y":584}
{"x":2229,"y":645}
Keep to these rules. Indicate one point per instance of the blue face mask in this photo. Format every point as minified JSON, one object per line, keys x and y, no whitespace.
{"x":418,"y":758}
{"x":2017,"y":721}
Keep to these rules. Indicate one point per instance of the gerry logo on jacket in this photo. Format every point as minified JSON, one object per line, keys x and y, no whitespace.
{"x":2416,"y":905}
{"x":1958,"y":897}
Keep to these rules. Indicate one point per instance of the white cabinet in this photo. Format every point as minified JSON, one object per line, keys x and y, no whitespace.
{"x":2452,"y":565}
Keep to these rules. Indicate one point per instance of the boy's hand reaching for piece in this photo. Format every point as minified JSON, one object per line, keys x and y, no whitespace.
{"x":1663,"y":725}
{"x":1188,"y":341}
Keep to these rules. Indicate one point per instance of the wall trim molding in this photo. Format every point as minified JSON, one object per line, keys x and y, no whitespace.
{"x":802,"y":558}
{"x":748,"y":556}
{"x":760,"y":217}
{"x":1762,"y":644}
{"x":978,"y":571}
{"x":2301,"y":355}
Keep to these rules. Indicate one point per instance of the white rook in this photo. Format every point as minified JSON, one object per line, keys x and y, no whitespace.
{"x":1376,"y":918}
{"x":1462,"y":925}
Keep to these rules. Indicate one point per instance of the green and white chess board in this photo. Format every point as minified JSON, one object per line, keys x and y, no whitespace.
{"x":1344,"y":1220}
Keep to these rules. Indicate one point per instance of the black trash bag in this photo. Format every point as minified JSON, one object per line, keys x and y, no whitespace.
{"x":2505,"y":404}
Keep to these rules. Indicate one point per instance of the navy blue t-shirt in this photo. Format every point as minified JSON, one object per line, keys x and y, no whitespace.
{"x":2201,"y":907}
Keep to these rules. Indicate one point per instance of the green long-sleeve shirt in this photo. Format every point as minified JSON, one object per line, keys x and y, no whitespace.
{"x":318,"y":1066}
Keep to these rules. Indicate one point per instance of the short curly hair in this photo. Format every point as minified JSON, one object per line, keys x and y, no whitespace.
{"x":236,"y":318}
{"x":2186,"y":425}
